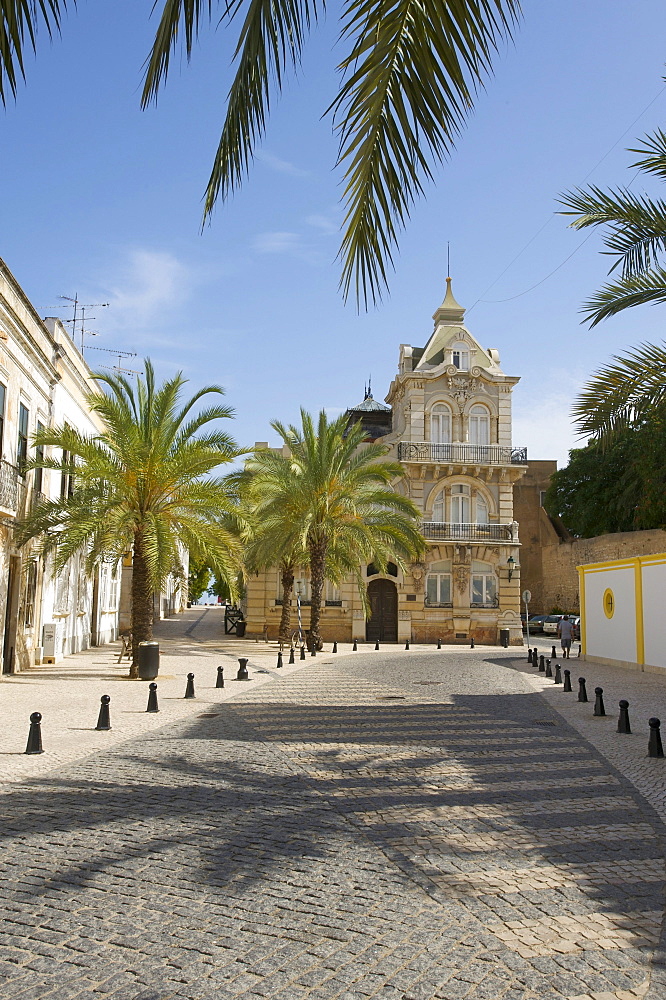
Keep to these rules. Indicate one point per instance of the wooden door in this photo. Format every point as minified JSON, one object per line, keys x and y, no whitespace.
{"x":382,"y":624}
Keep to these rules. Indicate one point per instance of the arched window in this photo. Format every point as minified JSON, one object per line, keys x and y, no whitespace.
{"x":460,"y":504}
{"x":481,"y":509}
{"x":484,"y":584}
{"x":479,"y":425}
{"x":438,"y":583}
{"x":439,"y":507}
{"x":440,"y":424}
{"x":460,"y":356}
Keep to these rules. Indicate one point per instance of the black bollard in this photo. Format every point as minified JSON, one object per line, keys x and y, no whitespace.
{"x":471,"y":643}
{"x":219,"y":683}
{"x":582,"y":690}
{"x":553,"y":653}
{"x":599,"y":702}
{"x":242,"y":674}
{"x":567,"y":680}
{"x":655,"y":748}
{"x":548,"y":671}
{"x":377,"y":644}
{"x":542,"y":664}
{"x":291,"y":655}
{"x":623,"y":722}
{"x":35,"y":734}
{"x":579,"y":650}
{"x":279,"y":660}
{"x":152,"y":696}
{"x":335,"y":646}
{"x":407,"y":644}
{"x":189,"y":690}
{"x":529,"y":655}
{"x":313,"y":651}
{"x":439,"y":644}
{"x":302,"y":652}
{"x":558,"y":674}
{"x":355,"y":647}
{"x":104,"y":718}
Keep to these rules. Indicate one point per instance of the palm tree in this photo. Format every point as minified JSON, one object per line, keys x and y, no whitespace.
{"x":635,"y":235}
{"x":142,"y":485}
{"x":332,"y":496}
{"x":408,"y":82}
{"x":623,"y":394}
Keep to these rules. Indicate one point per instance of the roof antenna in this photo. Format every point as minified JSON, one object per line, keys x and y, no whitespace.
{"x":368,"y":391}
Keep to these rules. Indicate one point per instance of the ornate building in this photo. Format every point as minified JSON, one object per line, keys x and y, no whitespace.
{"x":449,"y":425}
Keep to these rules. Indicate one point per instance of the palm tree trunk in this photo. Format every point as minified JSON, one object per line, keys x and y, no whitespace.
{"x":287,"y":573}
{"x":317,"y":570}
{"x":142,"y":601}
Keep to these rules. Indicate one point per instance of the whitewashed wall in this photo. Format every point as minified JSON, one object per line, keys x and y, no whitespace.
{"x":635,"y":634}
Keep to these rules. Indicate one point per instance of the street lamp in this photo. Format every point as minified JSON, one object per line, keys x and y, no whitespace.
{"x":511,"y":563}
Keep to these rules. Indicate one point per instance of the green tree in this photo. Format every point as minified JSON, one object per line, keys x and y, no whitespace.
{"x":143,"y":485}
{"x":634,"y":228}
{"x":332,"y":496}
{"x":198,"y":579}
{"x":408,"y":77}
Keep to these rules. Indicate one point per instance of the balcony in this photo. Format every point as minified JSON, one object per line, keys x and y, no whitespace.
{"x":11,"y":487}
{"x":461,"y":454}
{"x":446,"y":531}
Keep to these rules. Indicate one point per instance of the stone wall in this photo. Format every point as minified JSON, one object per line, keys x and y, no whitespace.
{"x":560,"y":558}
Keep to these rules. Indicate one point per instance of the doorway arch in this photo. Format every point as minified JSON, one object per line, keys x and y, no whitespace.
{"x":382,"y":625}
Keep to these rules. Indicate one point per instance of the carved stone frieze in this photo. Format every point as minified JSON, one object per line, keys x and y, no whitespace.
{"x":404,"y":616}
{"x":462,"y":578}
{"x":357,"y":613}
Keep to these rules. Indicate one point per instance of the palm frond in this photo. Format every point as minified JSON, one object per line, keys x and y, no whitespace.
{"x":653,"y":155}
{"x":622,"y":392}
{"x":635,"y":290}
{"x":409,"y":82}
{"x":271,"y":40}
{"x":19,"y":24}
{"x":635,"y":224}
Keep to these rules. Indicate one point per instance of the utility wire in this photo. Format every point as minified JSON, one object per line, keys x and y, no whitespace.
{"x":551,"y":217}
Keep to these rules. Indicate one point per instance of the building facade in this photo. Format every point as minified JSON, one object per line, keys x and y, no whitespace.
{"x":43,"y":382}
{"x":448,"y":422}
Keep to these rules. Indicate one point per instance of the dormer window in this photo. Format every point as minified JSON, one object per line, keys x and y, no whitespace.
{"x":460,"y":356}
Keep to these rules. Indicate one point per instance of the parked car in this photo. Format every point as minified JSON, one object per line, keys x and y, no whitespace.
{"x":536,"y":623}
{"x":575,"y":621}
{"x":550,"y":624}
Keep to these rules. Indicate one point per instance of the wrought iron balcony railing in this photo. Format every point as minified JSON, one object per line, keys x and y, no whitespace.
{"x":466,"y":454}
{"x":9,"y":486}
{"x":452,"y":532}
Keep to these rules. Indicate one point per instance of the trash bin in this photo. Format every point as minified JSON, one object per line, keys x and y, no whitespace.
{"x":149,"y":660}
{"x":504,"y":637}
{"x":240,"y":629}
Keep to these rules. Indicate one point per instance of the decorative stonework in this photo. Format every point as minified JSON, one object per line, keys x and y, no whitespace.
{"x":462,"y":578}
{"x":405,"y":616}
{"x":358,"y":613}
{"x":464,"y":388}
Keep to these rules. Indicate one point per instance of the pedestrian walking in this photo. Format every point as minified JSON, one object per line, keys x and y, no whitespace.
{"x":565,"y":632}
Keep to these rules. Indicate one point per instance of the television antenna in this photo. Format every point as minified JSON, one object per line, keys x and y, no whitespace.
{"x":120,"y":355}
{"x":78,"y":320}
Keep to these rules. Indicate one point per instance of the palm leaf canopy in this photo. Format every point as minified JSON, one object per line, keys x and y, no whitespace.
{"x":149,"y":471}
{"x":623,"y":393}
{"x":634,"y":234}
{"x":331,"y":487}
{"x":409,"y":77}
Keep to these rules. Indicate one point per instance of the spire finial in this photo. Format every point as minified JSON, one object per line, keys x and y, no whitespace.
{"x":448,"y":260}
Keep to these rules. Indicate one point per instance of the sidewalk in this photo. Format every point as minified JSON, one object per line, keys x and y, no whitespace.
{"x":646,"y":694}
{"x":68,"y":693}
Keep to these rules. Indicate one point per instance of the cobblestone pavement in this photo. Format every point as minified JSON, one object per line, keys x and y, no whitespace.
{"x":409,"y":826}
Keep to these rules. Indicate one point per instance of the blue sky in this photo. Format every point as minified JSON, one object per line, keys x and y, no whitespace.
{"x":104,"y":200}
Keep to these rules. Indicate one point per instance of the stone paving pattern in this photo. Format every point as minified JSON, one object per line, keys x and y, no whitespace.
{"x":402,"y":825}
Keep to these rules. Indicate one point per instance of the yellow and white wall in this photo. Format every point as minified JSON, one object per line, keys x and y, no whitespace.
{"x":622,"y":612}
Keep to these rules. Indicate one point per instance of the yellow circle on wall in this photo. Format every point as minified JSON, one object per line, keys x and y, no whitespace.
{"x":609,"y":603}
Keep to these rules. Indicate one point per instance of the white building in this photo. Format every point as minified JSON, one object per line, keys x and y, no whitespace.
{"x":43,"y":381}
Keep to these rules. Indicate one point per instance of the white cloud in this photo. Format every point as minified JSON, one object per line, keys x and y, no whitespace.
{"x":542,"y":422}
{"x":327,"y":224}
{"x":150,"y":282}
{"x":277,"y":242}
{"x":281,"y":166}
